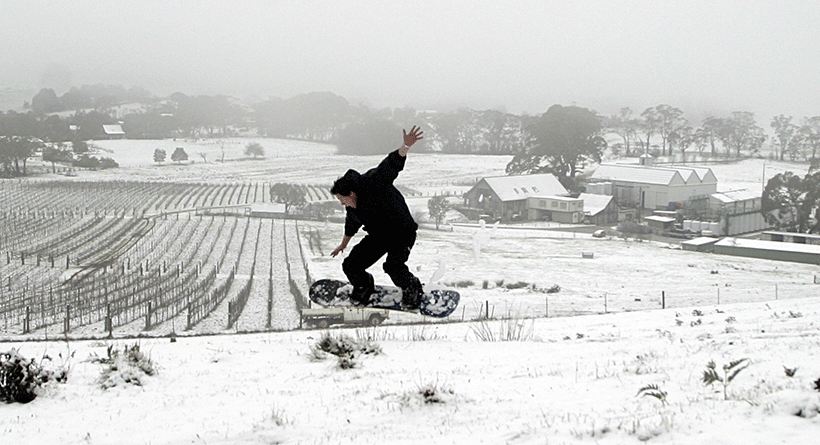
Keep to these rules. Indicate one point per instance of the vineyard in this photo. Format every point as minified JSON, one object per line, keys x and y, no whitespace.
{"x":125,"y":258}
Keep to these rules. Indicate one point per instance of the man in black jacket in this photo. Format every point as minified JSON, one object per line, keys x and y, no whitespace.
{"x":371,"y":200}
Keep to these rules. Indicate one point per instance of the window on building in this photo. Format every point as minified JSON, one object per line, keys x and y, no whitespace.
{"x":554,"y":203}
{"x":564,"y":205}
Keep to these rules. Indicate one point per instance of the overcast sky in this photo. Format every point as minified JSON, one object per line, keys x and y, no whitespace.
{"x":714,"y":56}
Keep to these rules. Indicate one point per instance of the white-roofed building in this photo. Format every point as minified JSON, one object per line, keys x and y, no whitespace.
{"x":505,"y":197}
{"x":653,"y":187}
{"x":738,"y":211}
{"x":735,"y":202}
{"x":600,"y":210}
{"x":113,"y":131}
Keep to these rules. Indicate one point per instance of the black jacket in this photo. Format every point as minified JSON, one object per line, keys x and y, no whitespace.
{"x":380,"y":207}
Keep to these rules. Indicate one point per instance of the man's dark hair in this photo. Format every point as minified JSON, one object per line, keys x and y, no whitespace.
{"x":343,"y":186}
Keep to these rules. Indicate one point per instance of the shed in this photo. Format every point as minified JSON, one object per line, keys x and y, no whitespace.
{"x":702,"y":244}
{"x":660,"y":222}
{"x":769,"y":250}
{"x":270,"y":210}
{"x":791,"y":237}
{"x":113,"y":131}
{"x":600,"y":210}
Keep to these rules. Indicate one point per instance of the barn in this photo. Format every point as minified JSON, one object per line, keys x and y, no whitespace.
{"x":600,"y":210}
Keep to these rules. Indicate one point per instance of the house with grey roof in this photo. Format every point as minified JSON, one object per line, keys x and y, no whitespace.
{"x":505,"y":197}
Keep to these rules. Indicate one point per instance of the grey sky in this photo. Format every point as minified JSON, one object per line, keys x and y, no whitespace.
{"x":523,"y":55}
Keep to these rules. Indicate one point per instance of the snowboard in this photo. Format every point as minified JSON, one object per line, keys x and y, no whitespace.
{"x":437,"y":303}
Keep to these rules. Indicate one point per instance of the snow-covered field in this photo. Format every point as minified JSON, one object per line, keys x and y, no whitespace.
{"x":566,"y":381}
{"x":563,"y":380}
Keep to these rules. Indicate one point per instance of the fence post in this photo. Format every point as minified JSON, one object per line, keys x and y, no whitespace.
{"x":109,"y":325}
{"x":67,"y":325}
{"x":27,"y":321}
{"x":148,"y":317}
{"x":718,"y":295}
{"x":663,"y":299}
{"x":547,"y":306}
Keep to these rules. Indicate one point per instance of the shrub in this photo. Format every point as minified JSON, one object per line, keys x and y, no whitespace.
{"x":462,"y":284}
{"x":428,"y":394}
{"x":345,"y":348}
{"x":518,"y":285}
{"x":20,"y":378}
{"x":129,"y":366}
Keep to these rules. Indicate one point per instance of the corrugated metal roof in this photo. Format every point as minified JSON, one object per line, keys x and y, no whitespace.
{"x":735,"y":195}
{"x":769,"y":245}
{"x":514,"y":188}
{"x":635,"y":173}
{"x":653,"y":175}
{"x":663,"y":219}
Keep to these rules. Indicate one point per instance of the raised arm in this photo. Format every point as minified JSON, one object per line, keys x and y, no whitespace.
{"x":410,"y":139}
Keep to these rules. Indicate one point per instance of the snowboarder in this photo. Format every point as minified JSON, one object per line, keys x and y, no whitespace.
{"x":371,"y":200}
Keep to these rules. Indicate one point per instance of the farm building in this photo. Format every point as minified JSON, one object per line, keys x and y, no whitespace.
{"x":660,"y":222}
{"x":729,"y":213}
{"x":114,"y":131}
{"x":702,"y":244}
{"x":505,"y":197}
{"x":791,"y":237}
{"x":267,"y":210}
{"x":650,"y":187}
{"x":600,"y":210}
{"x":562,"y":209}
{"x":770,"y":250}
{"x":735,"y":202}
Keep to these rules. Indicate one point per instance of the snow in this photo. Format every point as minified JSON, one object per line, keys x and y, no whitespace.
{"x":562,"y":380}
{"x":570,"y":380}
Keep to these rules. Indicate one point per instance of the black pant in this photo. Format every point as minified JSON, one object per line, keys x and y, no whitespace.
{"x":370,"y":249}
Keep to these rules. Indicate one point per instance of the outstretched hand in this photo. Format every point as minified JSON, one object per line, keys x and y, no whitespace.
{"x":414,"y":135}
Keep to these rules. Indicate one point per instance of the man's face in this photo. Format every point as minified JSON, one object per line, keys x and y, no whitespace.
{"x":347,"y":201}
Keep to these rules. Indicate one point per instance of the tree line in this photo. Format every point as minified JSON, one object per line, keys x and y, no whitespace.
{"x":561,"y":140}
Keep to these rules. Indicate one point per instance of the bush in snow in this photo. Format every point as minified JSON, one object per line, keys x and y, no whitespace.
{"x":20,"y":378}
{"x":345,"y":348}
{"x":127,"y":366}
{"x":430,"y":393}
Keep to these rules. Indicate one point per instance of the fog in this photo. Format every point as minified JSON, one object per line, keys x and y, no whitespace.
{"x":519,"y":56}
